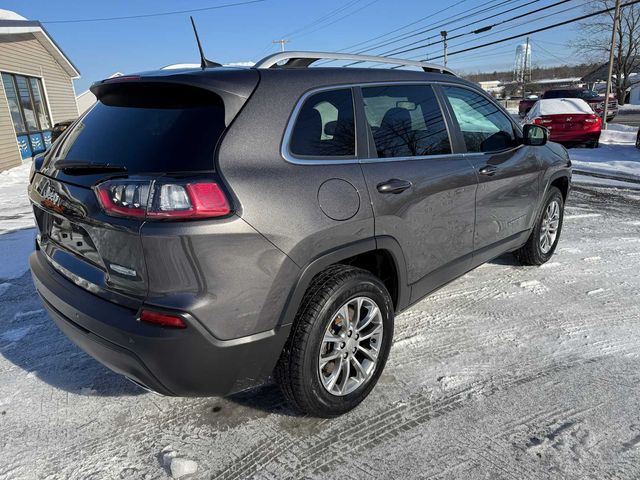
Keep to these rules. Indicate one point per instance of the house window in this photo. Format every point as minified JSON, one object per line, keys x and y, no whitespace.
{"x":28,"y":107}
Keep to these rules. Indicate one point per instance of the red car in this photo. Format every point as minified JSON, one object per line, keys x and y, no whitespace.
{"x":595,"y":101}
{"x":570,"y":121}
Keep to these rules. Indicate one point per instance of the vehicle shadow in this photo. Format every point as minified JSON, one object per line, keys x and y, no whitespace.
{"x":30,"y":340}
{"x":265,"y":398}
{"x":506,"y":259}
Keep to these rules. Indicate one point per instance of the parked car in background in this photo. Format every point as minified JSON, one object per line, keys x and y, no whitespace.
{"x":595,"y":101}
{"x":59,"y":128}
{"x":570,"y":121}
{"x":204,"y":228}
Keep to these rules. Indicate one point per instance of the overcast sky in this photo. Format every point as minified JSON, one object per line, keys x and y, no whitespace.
{"x":244,"y":33}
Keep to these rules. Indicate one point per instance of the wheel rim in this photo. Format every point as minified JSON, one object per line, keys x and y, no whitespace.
{"x":351,"y":346}
{"x":549,"y":227}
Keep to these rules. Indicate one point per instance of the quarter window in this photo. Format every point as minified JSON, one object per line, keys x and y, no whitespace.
{"x":484,"y":126}
{"x":325,"y":126}
{"x":405,"y":121}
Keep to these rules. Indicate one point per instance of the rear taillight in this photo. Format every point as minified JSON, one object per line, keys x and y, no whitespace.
{"x":592,"y":119}
{"x":156,"y":200}
{"x":542,"y":121}
{"x":162,"y":319}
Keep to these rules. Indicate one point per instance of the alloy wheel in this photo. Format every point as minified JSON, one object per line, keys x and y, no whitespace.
{"x":350,"y":347}
{"x":549,"y":227}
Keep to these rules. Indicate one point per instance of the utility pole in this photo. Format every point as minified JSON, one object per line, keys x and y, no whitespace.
{"x":443,"y":33}
{"x":614,"y":33}
{"x":281,"y":42}
{"x":525,"y":70}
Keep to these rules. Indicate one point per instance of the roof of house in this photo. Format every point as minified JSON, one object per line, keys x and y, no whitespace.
{"x":600,"y":73}
{"x":12,"y":24}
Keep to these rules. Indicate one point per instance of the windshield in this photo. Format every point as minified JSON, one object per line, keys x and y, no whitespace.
{"x":152,"y":128}
{"x":584,"y":94}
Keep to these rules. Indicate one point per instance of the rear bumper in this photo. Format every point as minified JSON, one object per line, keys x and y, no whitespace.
{"x":188,"y":362}
{"x":573,"y":138}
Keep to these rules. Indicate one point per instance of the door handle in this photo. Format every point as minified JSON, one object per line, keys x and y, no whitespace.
{"x":394,"y":186}
{"x":488,"y":170}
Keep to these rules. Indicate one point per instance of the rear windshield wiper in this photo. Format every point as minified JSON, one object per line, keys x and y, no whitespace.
{"x":76,"y":167}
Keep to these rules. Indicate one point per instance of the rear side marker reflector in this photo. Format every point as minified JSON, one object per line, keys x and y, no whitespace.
{"x":162,"y":200}
{"x":162,"y":319}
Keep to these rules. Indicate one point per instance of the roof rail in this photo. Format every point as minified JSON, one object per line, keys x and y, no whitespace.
{"x":304,"y":59}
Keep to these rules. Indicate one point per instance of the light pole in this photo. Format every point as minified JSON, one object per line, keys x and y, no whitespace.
{"x":444,"y":39}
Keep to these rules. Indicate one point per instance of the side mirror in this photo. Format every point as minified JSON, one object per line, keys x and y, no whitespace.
{"x":535,"y":135}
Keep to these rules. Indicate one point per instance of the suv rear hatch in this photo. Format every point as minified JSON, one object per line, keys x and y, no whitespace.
{"x":144,"y":149}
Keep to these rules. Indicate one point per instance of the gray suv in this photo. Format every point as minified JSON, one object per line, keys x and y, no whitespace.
{"x":201,"y":230}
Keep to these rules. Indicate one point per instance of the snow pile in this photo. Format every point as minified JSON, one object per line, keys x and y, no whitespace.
{"x":177,"y":466}
{"x":16,"y":220}
{"x":9,"y":15}
{"x":619,"y":134}
{"x":14,"y":203}
{"x":616,"y":157}
{"x":559,"y":106}
{"x":616,"y":160}
{"x":629,"y":108}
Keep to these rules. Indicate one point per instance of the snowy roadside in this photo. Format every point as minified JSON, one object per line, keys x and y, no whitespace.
{"x":15,"y":212}
{"x":508,"y":372}
{"x":616,"y":160}
{"x":16,"y":222}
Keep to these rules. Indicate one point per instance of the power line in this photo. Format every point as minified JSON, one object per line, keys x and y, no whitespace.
{"x":433,"y":26}
{"x":537,"y":44}
{"x":348,"y":14}
{"x":323,"y":18}
{"x":497,"y":32}
{"x":161,"y":14}
{"x":479,"y":30}
{"x":407,"y":25}
{"x":541,"y":29}
{"x":444,"y":23}
{"x":307,"y":29}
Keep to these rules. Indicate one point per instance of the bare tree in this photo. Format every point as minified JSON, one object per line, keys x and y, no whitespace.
{"x":594,"y":41}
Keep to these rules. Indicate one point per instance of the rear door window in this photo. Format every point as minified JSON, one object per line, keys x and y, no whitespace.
{"x":324,"y":127}
{"x":405,"y":121}
{"x":484,"y":126}
{"x":150,"y":128}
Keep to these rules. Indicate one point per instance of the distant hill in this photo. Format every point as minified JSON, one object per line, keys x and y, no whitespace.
{"x":537,"y":73}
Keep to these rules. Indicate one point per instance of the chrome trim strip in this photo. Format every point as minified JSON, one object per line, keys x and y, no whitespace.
{"x":288,"y":156}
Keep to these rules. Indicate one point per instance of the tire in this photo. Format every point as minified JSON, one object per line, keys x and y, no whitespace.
{"x":534,"y":252}
{"x":299,"y":373}
{"x":593,"y":144}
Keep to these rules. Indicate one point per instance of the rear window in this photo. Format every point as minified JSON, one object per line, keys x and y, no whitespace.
{"x":149,"y":128}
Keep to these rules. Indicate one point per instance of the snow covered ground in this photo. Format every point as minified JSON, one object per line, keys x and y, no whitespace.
{"x":508,"y":372}
{"x":617,"y":155}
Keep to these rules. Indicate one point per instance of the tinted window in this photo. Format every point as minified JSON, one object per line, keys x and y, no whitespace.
{"x":146,"y":128}
{"x":325,"y":127}
{"x":571,"y":94}
{"x":405,"y":121}
{"x":484,"y":127}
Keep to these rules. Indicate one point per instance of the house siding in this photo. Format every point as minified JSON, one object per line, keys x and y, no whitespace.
{"x":24,"y":54}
